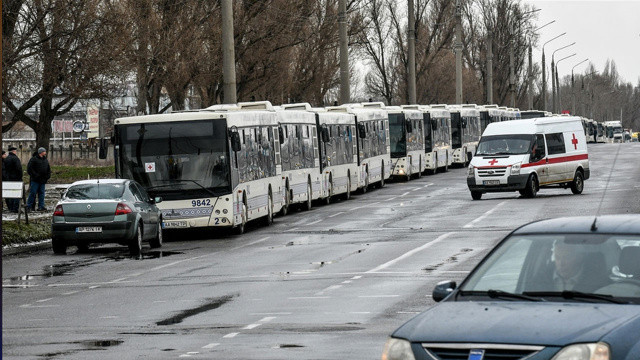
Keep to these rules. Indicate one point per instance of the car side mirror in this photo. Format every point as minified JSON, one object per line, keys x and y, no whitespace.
{"x":235,"y":141}
{"x":443,"y":289}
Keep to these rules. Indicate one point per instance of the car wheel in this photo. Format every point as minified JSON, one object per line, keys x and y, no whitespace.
{"x":59,"y":246}
{"x":156,"y":242}
{"x":476,"y":195}
{"x":268,"y":220}
{"x":241,"y":227}
{"x":135,"y":245}
{"x":308,"y":204}
{"x":532,"y":187}
{"x":578,"y":183}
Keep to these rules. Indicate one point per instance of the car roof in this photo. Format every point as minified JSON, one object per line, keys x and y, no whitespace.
{"x":101,"y":181}
{"x":604,"y":224}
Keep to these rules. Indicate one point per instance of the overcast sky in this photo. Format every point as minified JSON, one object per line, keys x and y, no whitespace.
{"x":601,"y":29}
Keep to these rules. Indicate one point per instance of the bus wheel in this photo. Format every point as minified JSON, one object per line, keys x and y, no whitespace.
{"x":382,"y":176}
{"x":239,"y":230}
{"x":578,"y":183}
{"x":269,"y":218}
{"x":347,"y":195}
{"x":476,"y":195}
{"x":307,"y":205}
{"x":287,"y":202}
{"x":327,"y":200}
{"x":446,"y":164}
{"x":420,"y":169}
{"x":532,"y":187}
{"x":366,"y":184}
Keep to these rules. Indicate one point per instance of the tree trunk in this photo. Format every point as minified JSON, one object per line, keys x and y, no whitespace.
{"x":43,"y":128}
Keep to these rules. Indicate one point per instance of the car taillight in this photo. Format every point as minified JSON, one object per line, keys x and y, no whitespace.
{"x":58,"y":211}
{"x":122,"y":209}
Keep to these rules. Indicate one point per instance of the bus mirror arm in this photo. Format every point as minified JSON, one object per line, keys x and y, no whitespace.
{"x":235,"y":141}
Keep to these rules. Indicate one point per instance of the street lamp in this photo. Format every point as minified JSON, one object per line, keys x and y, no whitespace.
{"x":512,"y":76}
{"x":554,"y":78}
{"x":530,"y":77}
{"x":573,"y":92}
{"x":544,"y":76}
{"x":557,"y":81}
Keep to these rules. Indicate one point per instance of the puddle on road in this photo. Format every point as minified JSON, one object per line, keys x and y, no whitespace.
{"x":155,"y":254}
{"x":287,"y":346}
{"x":210,"y":305}
{"x":99,"y":343}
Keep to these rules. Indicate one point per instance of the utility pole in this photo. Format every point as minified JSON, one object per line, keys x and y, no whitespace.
{"x":544,"y":74}
{"x":345,"y":95}
{"x":458,"y":50}
{"x":489,"y":67}
{"x":530,"y":86}
{"x":558,"y":81}
{"x":573,"y":92}
{"x":554,"y":78}
{"x":411,"y":71}
{"x":228,"y":53}
{"x":512,"y":76}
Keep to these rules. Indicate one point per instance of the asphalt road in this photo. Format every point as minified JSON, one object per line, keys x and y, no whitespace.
{"x":326,"y":284}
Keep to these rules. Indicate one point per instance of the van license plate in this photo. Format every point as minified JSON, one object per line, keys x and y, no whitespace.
{"x":173,"y":224}
{"x":89,"y":229}
{"x":491,"y":182}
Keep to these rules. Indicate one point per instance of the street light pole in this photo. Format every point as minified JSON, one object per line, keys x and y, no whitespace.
{"x":345,"y":93}
{"x":458,"y":50}
{"x":554,"y":77}
{"x":512,"y":75}
{"x":530,"y":77}
{"x":558,"y":82}
{"x":411,"y":71}
{"x":544,"y":76}
{"x":573,"y":92}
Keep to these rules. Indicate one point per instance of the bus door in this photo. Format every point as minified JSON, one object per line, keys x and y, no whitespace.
{"x":456,"y":130}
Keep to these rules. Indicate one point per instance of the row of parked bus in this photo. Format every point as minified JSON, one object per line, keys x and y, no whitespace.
{"x":229,"y":164}
{"x":596,"y":132}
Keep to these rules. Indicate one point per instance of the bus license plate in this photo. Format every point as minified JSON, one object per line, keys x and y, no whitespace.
{"x":173,"y":224}
{"x":491,"y":182}
{"x":89,"y":229}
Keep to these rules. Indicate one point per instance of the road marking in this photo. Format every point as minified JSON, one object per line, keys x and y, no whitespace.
{"x":393,"y":198}
{"x":314,"y":222}
{"x":360,"y":312}
{"x":43,"y":300}
{"x":346,"y":282}
{"x":290,"y":230}
{"x":330,"y":288}
{"x":427,"y":185}
{"x":409,"y":253}
{"x":71,"y":292}
{"x":336,"y":214}
{"x":210,"y":346}
{"x":416,"y":189}
{"x":109,"y":317}
{"x":251,"y":326}
{"x":378,"y":296}
{"x":356,"y":277}
{"x":269,"y":318}
{"x":483,"y":216}
{"x":308,"y":297}
{"x":363,"y":206}
{"x":94,"y":286}
{"x":407,"y":193}
{"x":118,"y":280}
{"x":230,"y":335}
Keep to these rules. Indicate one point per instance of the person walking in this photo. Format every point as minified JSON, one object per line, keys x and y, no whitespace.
{"x":13,"y":171}
{"x":40,"y":172}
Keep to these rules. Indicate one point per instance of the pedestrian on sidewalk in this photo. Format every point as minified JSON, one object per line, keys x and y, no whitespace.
{"x":39,"y":172}
{"x":13,"y":171}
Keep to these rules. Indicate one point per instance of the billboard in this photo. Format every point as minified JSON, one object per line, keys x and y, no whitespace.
{"x":93,"y":119}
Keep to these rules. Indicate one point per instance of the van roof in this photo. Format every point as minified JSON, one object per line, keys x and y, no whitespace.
{"x":531,"y":126}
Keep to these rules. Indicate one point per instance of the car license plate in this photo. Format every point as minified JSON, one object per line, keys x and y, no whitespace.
{"x":476,"y":354}
{"x":89,"y":229}
{"x":491,"y":182}
{"x":173,"y":224}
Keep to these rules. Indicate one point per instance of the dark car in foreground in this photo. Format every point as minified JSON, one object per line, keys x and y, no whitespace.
{"x":106,"y":211}
{"x":559,"y":289}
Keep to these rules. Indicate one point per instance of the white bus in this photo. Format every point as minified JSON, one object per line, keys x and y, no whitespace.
{"x":490,"y":114}
{"x":338,"y":150}
{"x":437,"y":139}
{"x":213,"y":168}
{"x":465,"y":132}
{"x":406,"y":137}
{"x":614,"y":131}
{"x":589,"y":129}
{"x":600,"y":133}
{"x":372,"y":129}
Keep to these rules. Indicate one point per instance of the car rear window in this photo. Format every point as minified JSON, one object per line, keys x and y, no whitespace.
{"x":95,"y":191}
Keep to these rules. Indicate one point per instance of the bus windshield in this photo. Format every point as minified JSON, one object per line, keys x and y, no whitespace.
{"x":397,"y":134}
{"x":177,"y":160}
{"x":617,"y":130}
{"x":515,"y":144}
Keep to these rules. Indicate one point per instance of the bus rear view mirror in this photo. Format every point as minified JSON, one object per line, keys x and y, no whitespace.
{"x":409,"y":126}
{"x":434,"y":124}
{"x":235,"y":141}
{"x":362,"y":132}
{"x":102,"y":150}
{"x":464,"y":123}
{"x":281,"y":134}
{"x":325,"y":134}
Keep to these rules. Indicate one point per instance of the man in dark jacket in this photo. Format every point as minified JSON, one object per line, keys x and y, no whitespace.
{"x":40,"y":172}
{"x":13,"y":171}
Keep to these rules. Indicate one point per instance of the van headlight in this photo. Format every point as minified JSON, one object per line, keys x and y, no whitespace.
{"x":471,"y":171}
{"x":515,"y":169}
{"x":597,"y":351}
{"x":397,"y":349}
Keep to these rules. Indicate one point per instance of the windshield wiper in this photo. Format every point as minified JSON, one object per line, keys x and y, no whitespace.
{"x":184,"y":180}
{"x":492,"y":293}
{"x":567,"y":294}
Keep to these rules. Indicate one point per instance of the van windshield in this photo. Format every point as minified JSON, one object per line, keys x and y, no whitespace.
{"x":514,"y":144}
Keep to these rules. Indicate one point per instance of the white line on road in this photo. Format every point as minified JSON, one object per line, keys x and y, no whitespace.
{"x":314,"y":222}
{"x":308,"y":297}
{"x":269,"y":318}
{"x":290,"y":230}
{"x":336,"y":214}
{"x":94,"y":286}
{"x":71,"y":292}
{"x":363,"y":206}
{"x":427,"y":185}
{"x":378,"y":296}
{"x":483,"y":216}
{"x":407,"y":193}
{"x":330,"y":288}
{"x":409,"y":253}
{"x":230,"y":335}
{"x":43,"y":300}
{"x":251,"y":326}
{"x":346,"y":282}
{"x":210,"y":346}
{"x":356,"y":277}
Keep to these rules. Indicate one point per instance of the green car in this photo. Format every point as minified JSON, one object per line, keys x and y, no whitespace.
{"x":106,"y":211}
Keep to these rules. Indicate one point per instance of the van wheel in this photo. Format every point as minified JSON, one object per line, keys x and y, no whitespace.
{"x":476,"y":195}
{"x":578,"y":183}
{"x":135,"y":244}
{"x":532,"y":187}
{"x":59,"y":246}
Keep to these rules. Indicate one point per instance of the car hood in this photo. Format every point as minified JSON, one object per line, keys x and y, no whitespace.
{"x":498,"y":160}
{"x":548,"y":324}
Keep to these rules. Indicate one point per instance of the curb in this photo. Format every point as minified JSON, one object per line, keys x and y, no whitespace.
{"x":25,"y":248}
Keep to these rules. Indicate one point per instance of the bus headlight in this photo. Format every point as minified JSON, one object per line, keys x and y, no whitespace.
{"x":397,"y":349}
{"x":597,"y":351}
{"x":515,"y":169}
{"x":471,"y":171}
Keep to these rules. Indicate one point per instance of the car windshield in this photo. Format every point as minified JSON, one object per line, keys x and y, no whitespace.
{"x":505,"y":144}
{"x":583,"y":267}
{"x":95,"y":191}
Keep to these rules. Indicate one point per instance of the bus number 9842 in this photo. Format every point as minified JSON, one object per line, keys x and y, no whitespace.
{"x":205,"y":202}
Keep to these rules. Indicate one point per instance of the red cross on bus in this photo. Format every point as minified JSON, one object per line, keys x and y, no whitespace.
{"x":574,"y":141}
{"x":493,"y":162}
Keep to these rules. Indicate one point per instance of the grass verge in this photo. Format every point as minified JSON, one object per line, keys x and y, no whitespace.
{"x":64,"y":174}
{"x":37,"y":230}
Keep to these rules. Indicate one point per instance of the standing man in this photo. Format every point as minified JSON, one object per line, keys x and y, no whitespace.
{"x":13,"y":170}
{"x":40,"y":172}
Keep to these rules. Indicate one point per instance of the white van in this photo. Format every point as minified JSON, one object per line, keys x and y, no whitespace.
{"x":525,"y":155}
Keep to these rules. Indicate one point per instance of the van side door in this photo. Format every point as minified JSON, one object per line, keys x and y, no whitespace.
{"x":556,"y":150}
{"x":538,"y":159}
